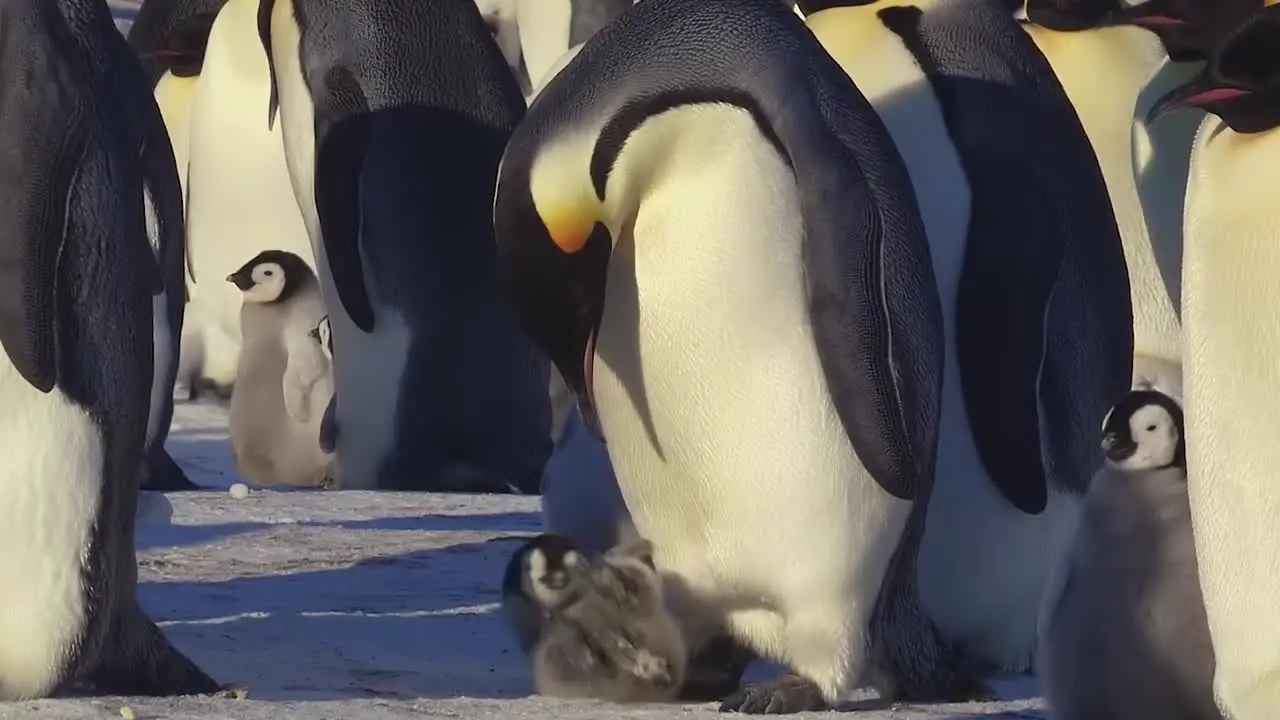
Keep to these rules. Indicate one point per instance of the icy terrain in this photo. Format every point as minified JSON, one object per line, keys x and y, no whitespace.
{"x":350,"y":605}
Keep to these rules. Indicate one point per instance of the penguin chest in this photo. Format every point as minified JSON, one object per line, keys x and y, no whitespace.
{"x":719,"y":423}
{"x":50,"y":484}
{"x":1232,"y":377}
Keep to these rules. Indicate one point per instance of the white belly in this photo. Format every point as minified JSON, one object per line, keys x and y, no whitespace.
{"x":50,"y":480}
{"x":727,"y":446}
{"x":173,"y":96}
{"x":1232,"y":381}
{"x":240,"y":200}
{"x":1126,"y":58}
{"x":983,"y":564}
{"x":368,"y":367}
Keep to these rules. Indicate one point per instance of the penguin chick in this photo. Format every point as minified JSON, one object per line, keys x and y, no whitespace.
{"x":283,"y":378}
{"x":539,"y":577}
{"x":611,"y":636}
{"x":1126,"y":637}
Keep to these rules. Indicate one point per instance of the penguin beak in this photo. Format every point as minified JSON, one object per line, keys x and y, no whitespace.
{"x":244,"y":282}
{"x":1197,"y":93}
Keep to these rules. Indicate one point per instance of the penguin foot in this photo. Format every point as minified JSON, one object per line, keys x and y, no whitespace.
{"x":232,"y":692}
{"x":784,"y":696}
{"x":327,"y":483}
{"x":162,"y":473}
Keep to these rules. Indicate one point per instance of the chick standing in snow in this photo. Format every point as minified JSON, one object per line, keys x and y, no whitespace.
{"x":594,"y":628}
{"x":1126,"y":637}
{"x":284,"y":379}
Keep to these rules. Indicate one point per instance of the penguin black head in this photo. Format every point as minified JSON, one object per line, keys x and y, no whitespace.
{"x":185,"y":44}
{"x":1070,"y":15}
{"x":1144,"y":430}
{"x":1188,"y":29}
{"x":543,"y":571}
{"x":1241,"y":83}
{"x":271,"y":277}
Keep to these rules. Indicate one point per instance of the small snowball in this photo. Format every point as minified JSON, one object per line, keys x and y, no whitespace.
{"x":239,"y":491}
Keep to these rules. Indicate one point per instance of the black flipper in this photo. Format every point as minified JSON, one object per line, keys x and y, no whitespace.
{"x":340,"y":153}
{"x":42,"y":147}
{"x":1036,"y":190}
{"x":329,"y":426}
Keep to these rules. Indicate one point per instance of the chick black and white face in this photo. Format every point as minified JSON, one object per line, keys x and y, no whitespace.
{"x":1143,"y":432}
{"x":268,"y":283}
{"x":549,"y":579}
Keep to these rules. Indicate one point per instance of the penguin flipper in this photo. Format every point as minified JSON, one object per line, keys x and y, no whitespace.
{"x":306,"y":365}
{"x":42,"y":149}
{"x":340,"y":155}
{"x":329,"y":426}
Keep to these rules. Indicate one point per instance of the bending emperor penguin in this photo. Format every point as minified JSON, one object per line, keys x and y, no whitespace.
{"x":1112,"y":73}
{"x":393,"y":146}
{"x":85,"y":175}
{"x":1231,"y":377}
{"x":706,"y":227}
{"x":285,"y":380}
{"x":239,"y":197}
{"x":1039,"y":332}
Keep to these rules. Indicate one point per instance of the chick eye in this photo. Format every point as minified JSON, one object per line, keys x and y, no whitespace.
{"x":1151,"y":428}
{"x":268,"y":273}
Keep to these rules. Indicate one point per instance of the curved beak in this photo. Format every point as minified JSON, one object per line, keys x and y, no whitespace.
{"x":1153,"y":14}
{"x":1200,"y":91}
{"x":244,"y":282}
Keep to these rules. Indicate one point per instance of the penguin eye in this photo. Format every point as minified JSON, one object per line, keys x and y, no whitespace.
{"x":268,"y":273}
{"x":1151,"y":428}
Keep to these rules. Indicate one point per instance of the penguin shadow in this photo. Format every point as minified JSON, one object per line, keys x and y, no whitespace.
{"x":412,"y":625}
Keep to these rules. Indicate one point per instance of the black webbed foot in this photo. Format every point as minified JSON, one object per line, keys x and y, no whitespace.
{"x":783,"y":696}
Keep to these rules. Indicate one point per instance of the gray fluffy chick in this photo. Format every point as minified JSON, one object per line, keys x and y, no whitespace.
{"x":1125,"y":637}
{"x":284,"y":379}
{"x":604,"y":630}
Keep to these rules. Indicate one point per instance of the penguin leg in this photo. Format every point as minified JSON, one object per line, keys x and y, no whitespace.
{"x":161,"y":473}
{"x":716,"y":670}
{"x":139,"y":660}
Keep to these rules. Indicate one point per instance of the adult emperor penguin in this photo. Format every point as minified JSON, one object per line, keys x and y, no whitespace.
{"x":169,"y":40}
{"x":1188,"y":29}
{"x":239,"y":197}
{"x":1039,"y":333}
{"x":1145,"y":170}
{"x":1230,"y":373}
{"x":744,"y":352}
{"x":78,"y":278}
{"x":548,"y":28}
{"x":435,"y":383}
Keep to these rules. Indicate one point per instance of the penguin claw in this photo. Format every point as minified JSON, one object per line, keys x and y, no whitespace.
{"x":784,"y":696}
{"x":232,"y":692}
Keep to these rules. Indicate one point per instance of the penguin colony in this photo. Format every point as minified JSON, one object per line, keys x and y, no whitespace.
{"x":841,"y":292}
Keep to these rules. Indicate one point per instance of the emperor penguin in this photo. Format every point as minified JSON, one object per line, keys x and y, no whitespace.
{"x":240,"y":200}
{"x":284,"y":377}
{"x":436,"y":385}
{"x":84,"y":173}
{"x":1230,"y":375}
{"x":1145,"y":171}
{"x":764,"y":358}
{"x":1038,"y":334}
{"x":169,"y":40}
{"x":1124,"y":636}
{"x":1188,"y":29}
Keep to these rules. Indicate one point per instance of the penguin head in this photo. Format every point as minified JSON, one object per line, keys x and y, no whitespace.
{"x":323,"y":334}
{"x":271,"y":277}
{"x":1188,"y":29}
{"x":1069,"y":15}
{"x":1144,"y":430}
{"x":184,"y":45}
{"x":544,"y":571}
{"x":1241,"y":83}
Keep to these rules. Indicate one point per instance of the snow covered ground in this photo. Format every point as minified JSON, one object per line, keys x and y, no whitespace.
{"x":351,"y":605}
